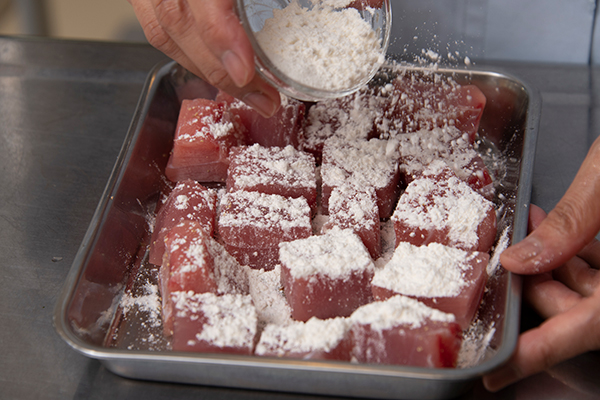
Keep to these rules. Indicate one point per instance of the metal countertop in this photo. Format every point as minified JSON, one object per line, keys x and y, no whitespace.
{"x":65,"y":107}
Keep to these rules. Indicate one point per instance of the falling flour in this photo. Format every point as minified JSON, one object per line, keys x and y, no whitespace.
{"x":323,"y":47}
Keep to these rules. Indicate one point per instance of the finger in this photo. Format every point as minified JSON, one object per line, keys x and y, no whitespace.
{"x":547,"y":296}
{"x":220,"y":29}
{"x":542,"y":291}
{"x":177,"y":20}
{"x":158,"y":37}
{"x":536,"y":216}
{"x":578,"y":276}
{"x":591,"y":254}
{"x":569,"y":226}
{"x":559,"y":338}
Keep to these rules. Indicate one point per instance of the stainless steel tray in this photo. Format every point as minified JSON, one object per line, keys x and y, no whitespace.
{"x":111,"y":263}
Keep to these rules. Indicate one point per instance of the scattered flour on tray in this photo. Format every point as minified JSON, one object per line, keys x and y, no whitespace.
{"x":149,"y":301}
{"x":302,"y":337}
{"x":268,"y":298}
{"x":230,"y":319}
{"x":321,"y":47}
{"x":476,"y":344}
{"x":501,"y":245}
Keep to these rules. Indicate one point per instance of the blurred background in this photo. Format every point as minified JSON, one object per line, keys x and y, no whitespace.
{"x":556,"y":31}
{"x":105,"y":20}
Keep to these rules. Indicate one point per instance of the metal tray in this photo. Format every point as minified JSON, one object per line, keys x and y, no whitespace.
{"x":111,"y":263}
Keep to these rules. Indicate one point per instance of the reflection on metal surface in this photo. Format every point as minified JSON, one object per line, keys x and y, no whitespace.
{"x":15,"y":145}
{"x":580,"y":373}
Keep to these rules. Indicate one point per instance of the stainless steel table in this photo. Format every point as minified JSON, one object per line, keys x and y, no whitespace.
{"x":65,"y":107}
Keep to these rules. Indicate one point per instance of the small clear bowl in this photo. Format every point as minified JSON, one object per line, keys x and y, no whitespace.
{"x":254,"y":13}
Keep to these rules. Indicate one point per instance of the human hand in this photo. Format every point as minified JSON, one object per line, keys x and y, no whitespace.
{"x":561,"y":259}
{"x":206,"y":37}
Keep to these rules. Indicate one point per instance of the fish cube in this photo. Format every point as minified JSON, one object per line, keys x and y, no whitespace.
{"x":208,"y":323}
{"x":252,"y":224}
{"x":404,"y":331}
{"x":448,"y":279}
{"x":205,"y":133}
{"x":326,"y":276}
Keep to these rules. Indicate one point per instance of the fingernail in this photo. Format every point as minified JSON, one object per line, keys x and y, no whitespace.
{"x":526,"y":251}
{"x":261,"y":103}
{"x":236,"y":69}
{"x":500,"y":378}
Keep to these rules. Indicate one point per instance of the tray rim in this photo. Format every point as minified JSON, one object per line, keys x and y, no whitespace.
{"x":107,"y":355}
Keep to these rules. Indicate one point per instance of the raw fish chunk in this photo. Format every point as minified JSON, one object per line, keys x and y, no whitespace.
{"x":349,"y":118}
{"x":187,"y":263}
{"x":188,"y":200}
{"x":419,"y":102}
{"x":254,"y":256}
{"x":466,"y":108}
{"x":205,"y":322}
{"x":404,"y":331}
{"x":365,"y":4}
{"x":196,"y":262}
{"x":419,"y":149}
{"x":252,"y":224}
{"x":372,"y":163}
{"x":445,"y":278}
{"x":310,"y":340}
{"x":441,"y":208}
{"x":283,"y":129}
{"x":479,"y":177}
{"x":205,"y":133}
{"x":356,"y":208}
{"x":273,"y":170}
{"x":326,"y":276}
{"x":408,"y":103}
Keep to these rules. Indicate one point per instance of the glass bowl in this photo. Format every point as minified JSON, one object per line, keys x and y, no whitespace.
{"x":254,"y":13}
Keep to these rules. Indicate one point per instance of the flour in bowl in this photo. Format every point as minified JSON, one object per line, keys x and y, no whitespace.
{"x":324,"y":47}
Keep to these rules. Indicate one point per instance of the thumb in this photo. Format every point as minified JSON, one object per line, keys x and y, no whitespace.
{"x":568,"y":228}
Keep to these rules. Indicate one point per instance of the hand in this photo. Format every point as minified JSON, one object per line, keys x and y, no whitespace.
{"x":206,"y":37}
{"x":561,"y":258}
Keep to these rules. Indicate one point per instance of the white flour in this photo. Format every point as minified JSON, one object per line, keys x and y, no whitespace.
{"x":230,"y":319}
{"x":302,"y":337}
{"x":211,"y":125}
{"x":267,"y":296}
{"x":337,"y":254}
{"x":259,"y":210}
{"x":434,"y":270}
{"x":502,"y":244}
{"x":321,"y":47}
{"x":476,"y":344}
{"x":148,"y":302}
{"x":363,"y":163}
{"x":398,"y":310}
{"x":354,"y":207}
{"x":451,"y":205}
{"x":257,"y":165}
